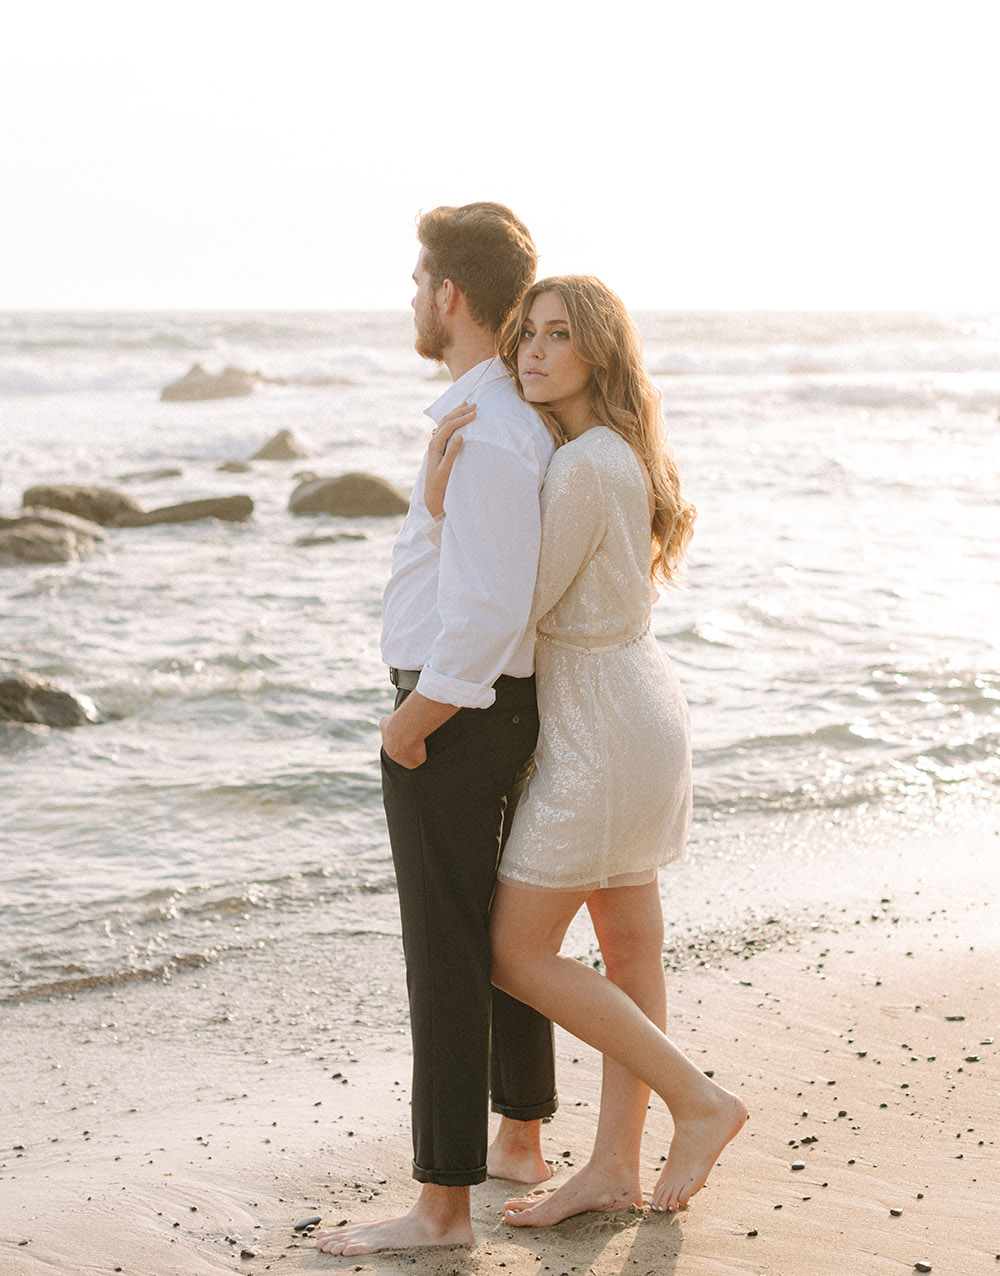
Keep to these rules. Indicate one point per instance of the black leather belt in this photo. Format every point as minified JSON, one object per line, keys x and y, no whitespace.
{"x":404,"y":679}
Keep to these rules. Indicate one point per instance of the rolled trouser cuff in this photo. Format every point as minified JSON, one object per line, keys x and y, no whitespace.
{"x":450,"y":1178}
{"x":537,"y":1112}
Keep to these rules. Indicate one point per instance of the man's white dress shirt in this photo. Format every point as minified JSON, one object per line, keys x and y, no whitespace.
{"x":458,"y":610}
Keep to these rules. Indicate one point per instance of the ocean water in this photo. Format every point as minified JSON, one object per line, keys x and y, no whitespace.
{"x":838,"y":638}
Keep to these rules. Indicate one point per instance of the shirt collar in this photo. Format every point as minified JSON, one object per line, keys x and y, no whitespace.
{"x":460,"y":390}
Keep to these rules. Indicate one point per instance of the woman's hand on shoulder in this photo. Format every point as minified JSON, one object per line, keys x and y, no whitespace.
{"x":442,"y":452}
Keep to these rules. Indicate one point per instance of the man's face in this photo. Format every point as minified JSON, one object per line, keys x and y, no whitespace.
{"x":433,"y":338}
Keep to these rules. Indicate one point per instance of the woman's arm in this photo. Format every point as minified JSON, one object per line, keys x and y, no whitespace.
{"x":574,"y":521}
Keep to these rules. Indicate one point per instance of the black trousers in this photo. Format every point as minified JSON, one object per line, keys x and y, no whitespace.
{"x":448,"y":821}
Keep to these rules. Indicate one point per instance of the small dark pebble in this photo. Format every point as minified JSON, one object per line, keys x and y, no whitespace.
{"x":896,"y":1213}
{"x":798,"y":1165}
{"x":247,"y":1253}
{"x":922,"y":1267}
{"x":22,"y":1242}
{"x":972,"y":1058}
{"x":303,"y":1223}
{"x":752,"y":1232}
{"x":948,"y":1019}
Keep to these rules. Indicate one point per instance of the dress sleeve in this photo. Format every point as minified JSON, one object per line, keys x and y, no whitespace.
{"x":574,"y":522}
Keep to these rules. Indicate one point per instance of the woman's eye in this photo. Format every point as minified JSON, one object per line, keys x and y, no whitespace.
{"x":526,"y":334}
{"x":560,"y":333}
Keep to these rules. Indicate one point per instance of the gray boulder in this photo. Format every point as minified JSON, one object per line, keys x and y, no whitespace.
{"x":151,"y":476}
{"x":35,"y":514}
{"x":23,"y":699}
{"x":98,"y":504}
{"x":283,"y":447}
{"x":234,"y":467}
{"x":329,"y":538}
{"x":349,"y":496}
{"x":34,"y":543}
{"x":196,"y":383}
{"x":233,"y":509}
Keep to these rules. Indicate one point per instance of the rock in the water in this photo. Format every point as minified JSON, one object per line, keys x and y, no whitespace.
{"x":54,"y":518}
{"x":36,"y":543}
{"x":196,"y":383}
{"x":329,"y":538}
{"x":350,"y":496}
{"x":233,"y":509}
{"x":150,"y":476}
{"x":234,"y":467}
{"x":24,"y":699}
{"x":98,"y":504}
{"x":283,"y":447}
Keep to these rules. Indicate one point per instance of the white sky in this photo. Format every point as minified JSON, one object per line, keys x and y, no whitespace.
{"x":710,"y":153}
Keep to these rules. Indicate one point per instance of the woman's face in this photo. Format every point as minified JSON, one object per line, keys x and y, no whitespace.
{"x":549,"y":369}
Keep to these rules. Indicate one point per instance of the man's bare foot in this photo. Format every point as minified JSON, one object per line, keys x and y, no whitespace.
{"x":590,"y":1189}
{"x":516,"y":1153}
{"x":440,"y":1217}
{"x":694,"y":1150}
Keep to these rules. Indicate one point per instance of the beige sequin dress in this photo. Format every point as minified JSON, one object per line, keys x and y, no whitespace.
{"x":610,"y":799}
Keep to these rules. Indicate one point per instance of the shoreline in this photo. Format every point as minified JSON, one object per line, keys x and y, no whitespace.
{"x":170,"y":1128}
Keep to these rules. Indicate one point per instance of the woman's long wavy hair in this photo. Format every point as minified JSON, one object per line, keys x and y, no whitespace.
{"x":624,"y":398}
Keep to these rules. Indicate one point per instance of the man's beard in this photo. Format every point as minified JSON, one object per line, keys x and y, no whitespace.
{"x":432,"y":336}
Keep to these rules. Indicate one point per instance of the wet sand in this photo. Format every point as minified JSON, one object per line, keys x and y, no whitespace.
{"x":186,"y":1127}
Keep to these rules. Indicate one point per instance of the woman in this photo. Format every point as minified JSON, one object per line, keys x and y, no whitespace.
{"x":610,"y":799}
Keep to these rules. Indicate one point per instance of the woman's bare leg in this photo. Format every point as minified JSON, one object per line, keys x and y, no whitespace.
{"x":628,"y":922}
{"x":527,"y":929}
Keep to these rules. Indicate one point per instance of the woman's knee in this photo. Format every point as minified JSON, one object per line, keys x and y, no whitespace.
{"x":631,"y":946}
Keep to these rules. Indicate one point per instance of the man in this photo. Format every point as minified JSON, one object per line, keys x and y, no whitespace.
{"x":457,"y":748}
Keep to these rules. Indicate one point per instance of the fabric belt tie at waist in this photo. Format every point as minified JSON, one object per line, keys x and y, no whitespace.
{"x":593,"y":650}
{"x":404,"y":679}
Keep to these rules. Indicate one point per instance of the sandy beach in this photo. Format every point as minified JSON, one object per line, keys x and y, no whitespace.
{"x":185,"y":1127}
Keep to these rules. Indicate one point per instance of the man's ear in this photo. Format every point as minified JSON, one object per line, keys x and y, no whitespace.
{"x":447,"y":296}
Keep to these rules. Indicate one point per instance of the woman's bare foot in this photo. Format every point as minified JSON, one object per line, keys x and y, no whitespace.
{"x":516,"y":1153}
{"x":440,"y":1217}
{"x":696,"y":1146}
{"x":590,"y":1189}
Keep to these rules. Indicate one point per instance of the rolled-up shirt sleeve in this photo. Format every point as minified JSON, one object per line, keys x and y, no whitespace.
{"x":489,"y":541}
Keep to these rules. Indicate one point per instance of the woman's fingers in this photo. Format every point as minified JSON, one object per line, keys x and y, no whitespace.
{"x":451,"y":422}
{"x":442,"y":451}
{"x":446,"y":459}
